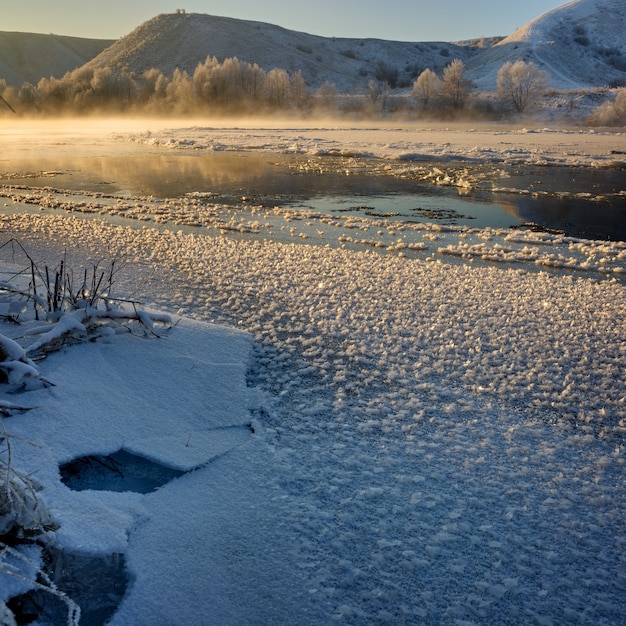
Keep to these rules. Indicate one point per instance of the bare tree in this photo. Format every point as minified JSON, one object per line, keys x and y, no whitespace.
{"x":386,"y":73}
{"x":379,"y":95}
{"x":427,"y":85}
{"x":375,"y":91}
{"x":521,"y":84}
{"x":327,"y":94}
{"x":299,"y":91}
{"x":454,"y":84}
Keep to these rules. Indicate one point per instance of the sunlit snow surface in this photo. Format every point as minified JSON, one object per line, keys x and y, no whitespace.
{"x":434,"y":441}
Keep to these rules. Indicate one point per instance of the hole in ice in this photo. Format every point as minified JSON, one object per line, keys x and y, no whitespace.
{"x":96,"y":584}
{"x":120,"y":471}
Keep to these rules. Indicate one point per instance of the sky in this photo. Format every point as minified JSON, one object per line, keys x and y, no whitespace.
{"x":402,"y":20}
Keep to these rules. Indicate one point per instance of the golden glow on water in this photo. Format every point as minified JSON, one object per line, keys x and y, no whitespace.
{"x":265,"y":157}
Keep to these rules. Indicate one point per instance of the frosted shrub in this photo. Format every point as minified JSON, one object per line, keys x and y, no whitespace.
{"x":24,"y":519}
{"x":76,"y":307}
{"x":22,"y":514}
{"x":611,"y":113}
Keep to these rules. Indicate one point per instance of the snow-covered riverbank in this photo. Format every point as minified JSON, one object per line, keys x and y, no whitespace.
{"x":488,"y":144}
{"x":433,"y":442}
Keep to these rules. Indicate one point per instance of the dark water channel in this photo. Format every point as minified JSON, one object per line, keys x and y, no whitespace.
{"x":583,"y":202}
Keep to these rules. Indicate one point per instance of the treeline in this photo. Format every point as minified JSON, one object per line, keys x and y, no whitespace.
{"x":231,"y":85}
{"x":236,"y":87}
{"x":520,"y":86}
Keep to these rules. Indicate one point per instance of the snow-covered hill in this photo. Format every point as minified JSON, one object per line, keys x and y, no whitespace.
{"x":171,"y":41}
{"x":580,"y":44}
{"x":28,"y":57}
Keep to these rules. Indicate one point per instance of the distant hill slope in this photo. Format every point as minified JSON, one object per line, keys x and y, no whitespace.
{"x":580,"y":44}
{"x":171,"y":41}
{"x":28,"y":57}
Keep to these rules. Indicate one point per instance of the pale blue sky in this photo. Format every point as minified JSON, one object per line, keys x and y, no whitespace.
{"x":403,"y":20}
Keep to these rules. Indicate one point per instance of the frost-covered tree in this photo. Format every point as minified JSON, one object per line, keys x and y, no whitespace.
{"x":28,"y":97}
{"x":54,"y":92}
{"x":110,"y":88}
{"x":234,"y":72}
{"x":454,"y":84}
{"x":152,"y":88}
{"x":521,"y":84}
{"x":277,"y":87}
{"x":206,"y":85}
{"x":253,"y":78}
{"x":426,"y":87}
{"x":232,"y":83}
{"x":179,"y":90}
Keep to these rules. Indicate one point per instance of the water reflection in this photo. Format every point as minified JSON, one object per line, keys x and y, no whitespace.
{"x":577,"y":218}
{"x":420,"y":207}
{"x":566,"y":199}
{"x":155,"y":175}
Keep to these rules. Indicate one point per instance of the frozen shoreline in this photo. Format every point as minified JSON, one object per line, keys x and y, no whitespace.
{"x":440,"y":442}
{"x":489,"y":144}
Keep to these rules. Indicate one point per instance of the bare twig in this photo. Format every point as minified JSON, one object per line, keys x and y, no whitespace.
{"x":10,"y":107}
{"x":32,"y":273}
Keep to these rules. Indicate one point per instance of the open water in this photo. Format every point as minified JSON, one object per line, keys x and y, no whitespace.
{"x":580,"y":202}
